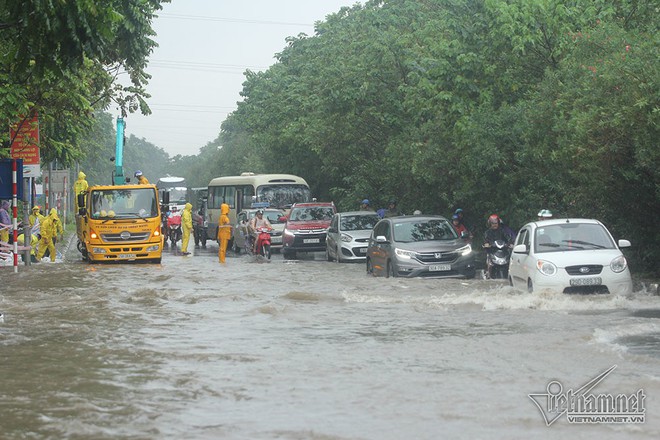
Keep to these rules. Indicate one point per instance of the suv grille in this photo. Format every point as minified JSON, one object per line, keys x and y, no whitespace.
{"x":430,"y":257}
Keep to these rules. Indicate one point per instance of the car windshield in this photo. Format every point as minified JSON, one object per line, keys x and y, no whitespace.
{"x":358,"y":222}
{"x":572,"y":237}
{"x":272,"y":216}
{"x":426,"y":230}
{"x":311,"y":213}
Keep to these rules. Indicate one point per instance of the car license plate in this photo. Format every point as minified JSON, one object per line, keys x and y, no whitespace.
{"x":586,"y":281}
{"x":127,"y":256}
{"x":363,"y":250}
{"x":276,"y":240}
{"x":311,"y":240}
{"x":439,"y":267}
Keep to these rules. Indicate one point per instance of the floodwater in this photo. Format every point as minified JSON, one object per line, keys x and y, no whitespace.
{"x":306,"y":349}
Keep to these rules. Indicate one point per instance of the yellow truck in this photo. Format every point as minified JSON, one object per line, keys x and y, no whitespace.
{"x":122,"y":221}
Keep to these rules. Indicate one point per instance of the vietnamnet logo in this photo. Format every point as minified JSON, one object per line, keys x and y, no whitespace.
{"x":581,"y":406}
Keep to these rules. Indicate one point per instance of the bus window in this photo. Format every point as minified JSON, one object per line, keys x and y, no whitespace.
{"x":216,"y":194}
{"x":230,"y":193}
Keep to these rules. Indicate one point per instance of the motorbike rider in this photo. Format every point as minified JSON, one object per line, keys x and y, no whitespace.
{"x":256,"y":223}
{"x":494,"y":233}
{"x":198,"y":226}
{"x":458,"y":226}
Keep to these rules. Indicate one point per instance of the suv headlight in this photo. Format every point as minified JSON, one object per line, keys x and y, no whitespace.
{"x":346,"y":238}
{"x":619,"y":264}
{"x":546,"y":267}
{"x":406,"y":255}
{"x":465,"y":250}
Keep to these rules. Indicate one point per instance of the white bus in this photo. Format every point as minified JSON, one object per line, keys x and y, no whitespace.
{"x":240,"y":192}
{"x":177,"y":189}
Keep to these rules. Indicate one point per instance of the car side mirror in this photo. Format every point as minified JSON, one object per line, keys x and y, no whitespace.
{"x":381,"y":239}
{"x":465,"y":235}
{"x":624,"y":243}
{"x":520,"y":249}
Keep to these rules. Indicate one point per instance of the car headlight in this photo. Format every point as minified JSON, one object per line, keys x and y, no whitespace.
{"x":346,"y":238}
{"x":619,"y":264}
{"x":465,"y":250}
{"x":546,"y":267}
{"x":407,"y":255}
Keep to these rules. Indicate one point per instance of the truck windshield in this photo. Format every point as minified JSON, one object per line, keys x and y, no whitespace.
{"x":124,"y":203}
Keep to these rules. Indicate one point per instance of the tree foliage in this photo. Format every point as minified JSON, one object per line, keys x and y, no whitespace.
{"x":504,"y":106}
{"x":61,"y":60}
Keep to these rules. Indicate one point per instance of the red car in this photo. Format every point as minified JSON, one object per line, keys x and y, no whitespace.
{"x":306,"y":228}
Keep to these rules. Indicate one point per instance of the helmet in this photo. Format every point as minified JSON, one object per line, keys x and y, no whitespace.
{"x":259,"y":211}
{"x":455,"y":217}
{"x":493,"y":219}
{"x":458,"y":211}
{"x":365,"y":201}
{"x":138,"y":173}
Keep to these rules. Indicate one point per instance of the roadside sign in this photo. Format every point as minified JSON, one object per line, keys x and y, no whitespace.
{"x":25,"y":145}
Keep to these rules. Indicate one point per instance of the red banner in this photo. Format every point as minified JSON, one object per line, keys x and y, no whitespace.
{"x":25,"y":145}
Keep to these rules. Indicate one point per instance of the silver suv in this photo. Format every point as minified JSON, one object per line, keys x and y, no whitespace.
{"x":418,"y":246}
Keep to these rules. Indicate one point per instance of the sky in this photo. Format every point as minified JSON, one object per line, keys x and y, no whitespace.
{"x":205,"y":46}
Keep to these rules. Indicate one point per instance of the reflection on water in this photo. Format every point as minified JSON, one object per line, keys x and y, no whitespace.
{"x":302,"y":350}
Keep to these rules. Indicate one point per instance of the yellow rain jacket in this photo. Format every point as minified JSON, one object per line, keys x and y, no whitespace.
{"x":81,"y":184}
{"x":186,"y":226}
{"x":56,"y":224}
{"x":36,"y":215}
{"x":224,"y":228}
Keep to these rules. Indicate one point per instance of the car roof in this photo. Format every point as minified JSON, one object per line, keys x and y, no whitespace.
{"x":415,"y":218}
{"x":262,"y":209}
{"x":559,"y":221}
{"x":312,"y":204}
{"x":356,"y":213}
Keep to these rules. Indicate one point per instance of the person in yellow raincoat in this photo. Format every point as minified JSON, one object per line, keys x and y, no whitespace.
{"x":187,"y":227}
{"x":48,"y":232}
{"x":80,"y":186}
{"x":141,"y":179}
{"x":36,"y":214}
{"x":224,"y":232}
{"x":33,"y":247}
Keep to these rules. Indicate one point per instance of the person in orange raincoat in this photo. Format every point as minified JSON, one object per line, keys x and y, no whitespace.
{"x":224,"y":232}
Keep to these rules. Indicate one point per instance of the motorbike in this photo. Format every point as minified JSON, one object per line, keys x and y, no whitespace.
{"x":174,"y":228}
{"x":263,"y":243}
{"x":498,"y":255}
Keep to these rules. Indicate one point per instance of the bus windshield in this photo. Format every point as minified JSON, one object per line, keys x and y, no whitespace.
{"x":283,"y":196}
{"x":124,"y":203}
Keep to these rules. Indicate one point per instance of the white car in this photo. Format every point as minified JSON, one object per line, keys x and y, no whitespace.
{"x":569,"y":255}
{"x":348,"y":235}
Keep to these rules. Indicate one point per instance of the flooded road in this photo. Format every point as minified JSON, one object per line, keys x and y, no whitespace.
{"x":306,"y":350}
